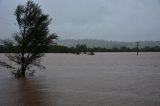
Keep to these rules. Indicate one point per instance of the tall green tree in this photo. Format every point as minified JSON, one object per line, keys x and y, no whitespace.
{"x":31,"y":41}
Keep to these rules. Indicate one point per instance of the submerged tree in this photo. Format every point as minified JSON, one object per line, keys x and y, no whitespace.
{"x":31,"y":42}
{"x":81,"y":48}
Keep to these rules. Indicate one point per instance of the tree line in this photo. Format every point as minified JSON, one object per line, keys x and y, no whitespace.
{"x":82,"y":48}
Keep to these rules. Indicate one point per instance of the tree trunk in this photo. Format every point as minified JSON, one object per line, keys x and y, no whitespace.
{"x":23,"y":69}
{"x":23,"y":72}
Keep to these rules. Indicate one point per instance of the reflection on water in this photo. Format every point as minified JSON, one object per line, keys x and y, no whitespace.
{"x":105,"y":79}
{"x":31,"y":92}
{"x":21,"y":92}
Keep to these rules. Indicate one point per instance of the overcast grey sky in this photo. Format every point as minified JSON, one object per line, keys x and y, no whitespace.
{"x":118,"y":20}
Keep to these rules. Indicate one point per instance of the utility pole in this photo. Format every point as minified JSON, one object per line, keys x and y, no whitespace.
{"x":137,"y":48}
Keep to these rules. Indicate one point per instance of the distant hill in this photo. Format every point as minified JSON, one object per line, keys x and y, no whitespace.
{"x":106,"y":44}
{"x":103,"y":43}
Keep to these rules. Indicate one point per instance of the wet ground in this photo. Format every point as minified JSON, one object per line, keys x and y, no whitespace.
{"x":105,"y":79}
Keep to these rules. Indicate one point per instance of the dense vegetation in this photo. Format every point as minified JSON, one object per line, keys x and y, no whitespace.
{"x":83,"y":48}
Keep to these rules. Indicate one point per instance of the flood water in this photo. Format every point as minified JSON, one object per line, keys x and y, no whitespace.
{"x":104,"y":79}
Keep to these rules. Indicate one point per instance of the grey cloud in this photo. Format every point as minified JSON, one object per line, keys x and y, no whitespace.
{"x":123,"y":20}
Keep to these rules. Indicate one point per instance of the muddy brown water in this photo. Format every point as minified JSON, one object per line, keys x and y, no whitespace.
{"x":105,"y":79}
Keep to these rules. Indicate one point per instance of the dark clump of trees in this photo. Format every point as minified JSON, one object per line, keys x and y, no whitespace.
{"x":81,"y":48}
{"x":27,"y":46}
{"x":78,"y":49}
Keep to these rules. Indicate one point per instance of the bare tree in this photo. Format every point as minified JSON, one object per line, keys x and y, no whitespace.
{"x":32,"y":40}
